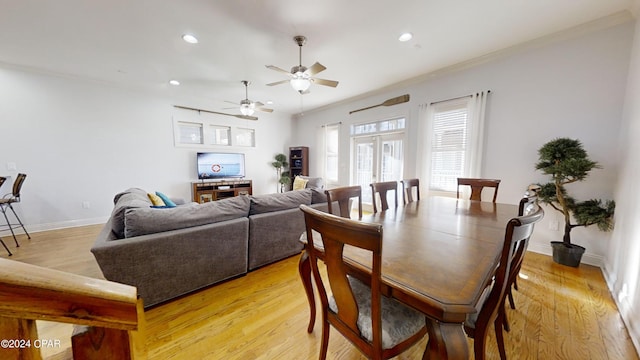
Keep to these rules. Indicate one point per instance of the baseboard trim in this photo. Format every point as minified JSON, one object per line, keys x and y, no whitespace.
{"x":55,"y":226}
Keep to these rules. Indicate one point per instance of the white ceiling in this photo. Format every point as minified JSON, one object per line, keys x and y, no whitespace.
{"x":137,"y":43}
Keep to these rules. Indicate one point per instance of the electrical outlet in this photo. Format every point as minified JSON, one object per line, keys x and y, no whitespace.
{"x":11,"y":166}
{"x":554,"y":225}
{"x":86,"y":205}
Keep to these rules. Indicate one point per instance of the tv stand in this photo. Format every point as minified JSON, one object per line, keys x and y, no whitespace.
{"x":205,"y":191}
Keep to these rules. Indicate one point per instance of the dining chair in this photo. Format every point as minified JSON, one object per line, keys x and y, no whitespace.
{"x":381,"y":188}
{"x":344,"y":197}
{"x":380,"y":327}
{"x":527,"y":204}
{"x":490,"y":307}
{"x":476,"y":187}
{"x":5,"y":203}
{"x":407,"y":190}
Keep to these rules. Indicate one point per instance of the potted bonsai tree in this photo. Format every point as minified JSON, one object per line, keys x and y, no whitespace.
{"x":280,"y":164}
{"x":567,"y":162}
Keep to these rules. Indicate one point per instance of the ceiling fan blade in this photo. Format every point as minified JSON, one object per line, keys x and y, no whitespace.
{"x":315,"y":68}
{"x":231,"y":102}
{"x":325,"y":82}
{"x":264,"y":109}
{"x":215,"y":112}
{"x":278,"y":82}
{"x":272,"y":67}
{"x":390,"y":102}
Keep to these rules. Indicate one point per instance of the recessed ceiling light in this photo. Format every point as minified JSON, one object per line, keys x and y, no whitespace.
{"x":174,"y":82}
{"x":190,"y":38}
{"x":269,"y":102}
{"x":406,"y":37}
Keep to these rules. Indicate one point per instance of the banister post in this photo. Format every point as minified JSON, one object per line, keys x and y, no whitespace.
{"x":18,"y":339}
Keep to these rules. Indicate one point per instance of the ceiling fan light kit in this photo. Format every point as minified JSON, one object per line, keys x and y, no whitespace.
{"x":302,"y":77}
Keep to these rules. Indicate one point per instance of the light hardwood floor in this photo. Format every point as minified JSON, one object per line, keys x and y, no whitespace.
{"x":562,"y":312}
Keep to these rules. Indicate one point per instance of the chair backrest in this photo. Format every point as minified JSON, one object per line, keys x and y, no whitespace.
{"x":527,"y":204}
{"x":336,"y":232}
{"x":516,"y":238}
{"x":382,"y":188}
{"x":343,"y":196}
{"x":476,"y":187}
{"x":2,"y":180}
{"x":17,"y":185}
{"x":407,"y":190}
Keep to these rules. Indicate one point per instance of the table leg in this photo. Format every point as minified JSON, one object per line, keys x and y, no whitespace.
{"x":446,"y":341}
{"x":304,"y":268}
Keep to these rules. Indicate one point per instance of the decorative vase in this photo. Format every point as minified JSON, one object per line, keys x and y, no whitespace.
{"x":567,"y":254}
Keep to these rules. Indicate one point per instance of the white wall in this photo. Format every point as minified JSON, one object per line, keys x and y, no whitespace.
{"x":571,"y":86}
{"x":79,"y":140}
{"x":622,"y":265}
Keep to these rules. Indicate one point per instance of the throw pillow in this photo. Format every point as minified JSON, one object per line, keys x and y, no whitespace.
{"x":156,"y":200}
{"x":168,"y":202}
{"x":299,"y":183}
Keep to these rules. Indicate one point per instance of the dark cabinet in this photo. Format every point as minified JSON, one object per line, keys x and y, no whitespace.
{"x":298,"y":161}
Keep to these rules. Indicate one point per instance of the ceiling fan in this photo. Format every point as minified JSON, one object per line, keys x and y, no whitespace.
{"x":301,"y":76}
{"x":248,"y":107}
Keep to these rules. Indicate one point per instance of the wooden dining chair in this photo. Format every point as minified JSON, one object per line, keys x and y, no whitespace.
{"x":476,"y":187}
{"x":344,"y":196}
{"x":528,"y":203}
{"x":407,"y":190}
{"x":382,"y":188}
{"x":491,"y":304}
{"x":378,"y":326}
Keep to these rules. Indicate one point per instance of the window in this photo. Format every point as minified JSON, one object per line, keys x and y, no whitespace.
{"x":448,"y":144}
{"x":219,"y":135}
{"x":189,"y":133}
{"x":331,"y":141}
{"x":245,"y":137}
{"x":455,"y":133}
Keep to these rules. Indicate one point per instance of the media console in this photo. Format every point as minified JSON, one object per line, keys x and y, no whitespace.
{"x":205,"y":191}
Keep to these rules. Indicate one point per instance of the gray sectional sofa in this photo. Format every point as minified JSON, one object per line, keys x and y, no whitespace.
{"x":169,"y":252}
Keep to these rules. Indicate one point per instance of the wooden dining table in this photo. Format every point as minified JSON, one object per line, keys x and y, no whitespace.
{"x":438,"y":254}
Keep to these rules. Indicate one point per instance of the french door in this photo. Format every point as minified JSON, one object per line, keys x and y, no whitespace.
{"x":377,"y":158}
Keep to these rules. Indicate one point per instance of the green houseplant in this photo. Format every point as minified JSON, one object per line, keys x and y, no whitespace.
{"x":280,"y":164}
{"x":567,"y":162}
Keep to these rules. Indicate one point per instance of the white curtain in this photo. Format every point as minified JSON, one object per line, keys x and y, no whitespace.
{"x":472,"y":109}
{"x":424,"y":146}
{"x":475,"y":151}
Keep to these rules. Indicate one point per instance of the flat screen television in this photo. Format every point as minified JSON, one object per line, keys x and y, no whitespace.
{"x":214,"y":165}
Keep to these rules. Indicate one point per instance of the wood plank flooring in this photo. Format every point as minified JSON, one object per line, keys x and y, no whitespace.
{"x":562,"y":312}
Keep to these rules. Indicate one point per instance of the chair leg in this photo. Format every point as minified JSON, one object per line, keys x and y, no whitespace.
{"x":505,"y":321}
{"x":511,"y":302}
{"x":5,"y":246}
{"x":515,"y":283}
{"x":19,"y":221}
{"x":324,"y":346}
{"x":500,"y":337}
{"x":4,"y":212}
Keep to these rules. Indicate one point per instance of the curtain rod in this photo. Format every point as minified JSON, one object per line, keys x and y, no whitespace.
{"x":456,"y":98}
{"x":336,"y":123}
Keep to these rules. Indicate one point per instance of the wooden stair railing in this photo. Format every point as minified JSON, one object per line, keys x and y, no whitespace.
{"x":110,"y":315}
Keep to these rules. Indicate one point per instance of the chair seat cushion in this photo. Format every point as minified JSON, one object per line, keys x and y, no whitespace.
{"x":399,"y":322}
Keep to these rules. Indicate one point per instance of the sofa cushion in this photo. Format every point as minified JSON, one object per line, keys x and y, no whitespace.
{"x":318,"y":196}
{"x":313,"y":182}
{"x":156,"y":200}
{"x":128,"y":199}
{"x":167,"y":202}
{"x":142,"y":221}
{"x":279,"y":201}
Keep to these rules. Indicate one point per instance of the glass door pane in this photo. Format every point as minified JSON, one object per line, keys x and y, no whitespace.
{"x":364,"y":157}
